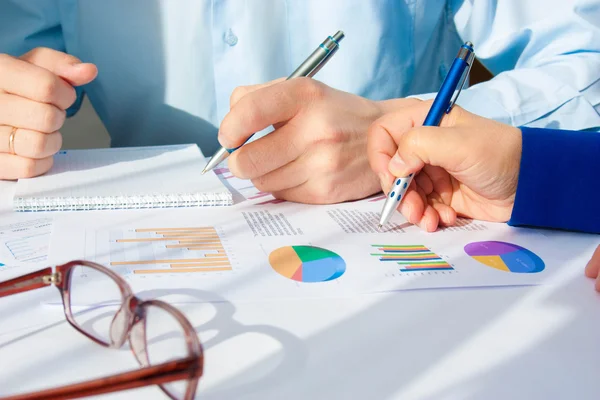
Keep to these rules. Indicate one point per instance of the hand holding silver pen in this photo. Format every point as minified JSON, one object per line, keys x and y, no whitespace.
{"x":308,"y":68}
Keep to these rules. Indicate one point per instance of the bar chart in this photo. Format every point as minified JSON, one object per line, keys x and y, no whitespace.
{"x":168,"y":250}
{"x":411,"y":258}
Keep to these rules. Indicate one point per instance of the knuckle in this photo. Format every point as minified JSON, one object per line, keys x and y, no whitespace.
{"x":254,"y":111}
{"x":248,"y":165}
{"x":47,"y":88}
{"x":335,"y":136}
{"x":311,"y":89}
{"x":39,"y":144}
{"x":28,"y":168}
{"x":37,"y":53}
{"x":4,"y":59}
{"x":237,"y":94}
{"x":52,"y":118}
{"x":324,"y":192}
{"x":331,"y":163}
{"x":260,"y":184}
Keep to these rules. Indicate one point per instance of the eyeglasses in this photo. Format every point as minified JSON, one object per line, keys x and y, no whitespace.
{"x":162,"y":340}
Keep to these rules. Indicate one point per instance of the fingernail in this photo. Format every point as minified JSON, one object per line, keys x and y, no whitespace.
{"x":396,"y":165}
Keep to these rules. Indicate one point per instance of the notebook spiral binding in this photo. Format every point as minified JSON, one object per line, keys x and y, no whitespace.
{"x":119,"y":202}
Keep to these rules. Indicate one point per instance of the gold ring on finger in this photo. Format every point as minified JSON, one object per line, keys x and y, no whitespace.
{"x":11,"y":140}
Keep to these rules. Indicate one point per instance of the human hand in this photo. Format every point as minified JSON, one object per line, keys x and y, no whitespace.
{"x":592,"y":269}
{"x":317,"y":152}
{"x":35,"y":91}
{"x":469,"y":166}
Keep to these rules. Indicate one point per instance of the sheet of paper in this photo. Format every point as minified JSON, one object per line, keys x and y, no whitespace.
{"x":23,"y":245}
{"x":275,"y":250}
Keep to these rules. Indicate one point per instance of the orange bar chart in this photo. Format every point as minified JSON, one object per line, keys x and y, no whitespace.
{"x":169,"y":250}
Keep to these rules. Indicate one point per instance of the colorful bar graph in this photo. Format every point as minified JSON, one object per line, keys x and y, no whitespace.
{"x":411,"y":258}
{"x":168,"y":250}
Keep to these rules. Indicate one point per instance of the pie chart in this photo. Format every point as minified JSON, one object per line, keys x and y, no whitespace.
{"x":307,"y":263}
{"x":505,"y":257}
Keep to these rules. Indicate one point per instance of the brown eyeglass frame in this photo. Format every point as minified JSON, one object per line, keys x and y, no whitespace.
{"x":134,"y":310}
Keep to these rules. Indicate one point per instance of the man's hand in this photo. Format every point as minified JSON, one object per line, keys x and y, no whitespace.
{"x":317,"y":152}
{"x":35,"y":91}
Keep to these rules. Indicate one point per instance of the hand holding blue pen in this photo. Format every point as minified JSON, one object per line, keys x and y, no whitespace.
{"x":442,"y":104}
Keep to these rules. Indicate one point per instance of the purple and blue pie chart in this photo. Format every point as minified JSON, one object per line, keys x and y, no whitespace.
{"x":505,"y":256}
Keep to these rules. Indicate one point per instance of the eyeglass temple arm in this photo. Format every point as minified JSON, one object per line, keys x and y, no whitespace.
{"x":188,"y":368}
{"x":31,"y":281}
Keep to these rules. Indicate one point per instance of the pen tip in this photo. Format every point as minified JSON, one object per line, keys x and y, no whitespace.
{"x":379,"y":227}
{"x":203,"y":171}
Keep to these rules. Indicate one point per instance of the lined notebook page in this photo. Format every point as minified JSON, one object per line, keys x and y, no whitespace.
{"x":130,"y":177}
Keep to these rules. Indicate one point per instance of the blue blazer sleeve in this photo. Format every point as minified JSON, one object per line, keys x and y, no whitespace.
{"x":559,"y":180}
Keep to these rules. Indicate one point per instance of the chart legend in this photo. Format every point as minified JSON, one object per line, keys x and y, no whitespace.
{"x":411,"y":258}
{"x":307,"y":263}
{"x":168,"y":250}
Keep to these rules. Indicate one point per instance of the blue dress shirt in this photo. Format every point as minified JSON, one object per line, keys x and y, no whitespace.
{"x":167,"y":68}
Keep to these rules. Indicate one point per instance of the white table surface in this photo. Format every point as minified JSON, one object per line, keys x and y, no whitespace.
{"x":502,"y":343}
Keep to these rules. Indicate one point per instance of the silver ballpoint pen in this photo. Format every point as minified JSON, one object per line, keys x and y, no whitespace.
{"x":308,"y":68}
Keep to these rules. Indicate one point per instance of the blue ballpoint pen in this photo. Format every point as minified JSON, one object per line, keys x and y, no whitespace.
{"x":443,"y":103}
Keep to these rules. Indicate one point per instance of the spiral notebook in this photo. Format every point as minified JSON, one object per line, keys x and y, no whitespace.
{"x":123,"y":178}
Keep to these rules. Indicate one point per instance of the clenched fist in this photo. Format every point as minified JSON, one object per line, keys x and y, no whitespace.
{"x":35,"y":91}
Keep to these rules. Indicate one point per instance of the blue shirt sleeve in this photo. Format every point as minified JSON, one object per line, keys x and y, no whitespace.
{"x":559,"y":181}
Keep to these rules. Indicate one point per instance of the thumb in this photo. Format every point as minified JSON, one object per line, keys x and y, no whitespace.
{"x":440,"y":147}
{"x":66,"y":66}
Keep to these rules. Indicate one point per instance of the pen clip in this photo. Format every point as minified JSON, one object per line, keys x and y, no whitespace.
{"x":463,"y":80}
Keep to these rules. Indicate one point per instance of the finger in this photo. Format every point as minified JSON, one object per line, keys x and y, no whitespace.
{"x":24,"y":113}
{"x":380,"y":149}
{"x":265,"y":107}
{"x":283,"y":178}
{"x":66,"y":66}
{"x":447,"y":215}
{"x":424,"y":182}
{"x":383,"y":137}
{"x":430,"y":220}
{"x":17,"y":167}
{"x":30,"y":144}
{"x":592,"y":269}
{"x":441,"y":182}
{"x":35,"y":83}
{"x":413,"y":205}
{"x":241,"y":91}
{"x":268,"y":153}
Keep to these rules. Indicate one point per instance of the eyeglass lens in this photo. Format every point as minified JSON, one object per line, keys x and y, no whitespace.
{"x":164,"y":342}
{"x":96,"y":319}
